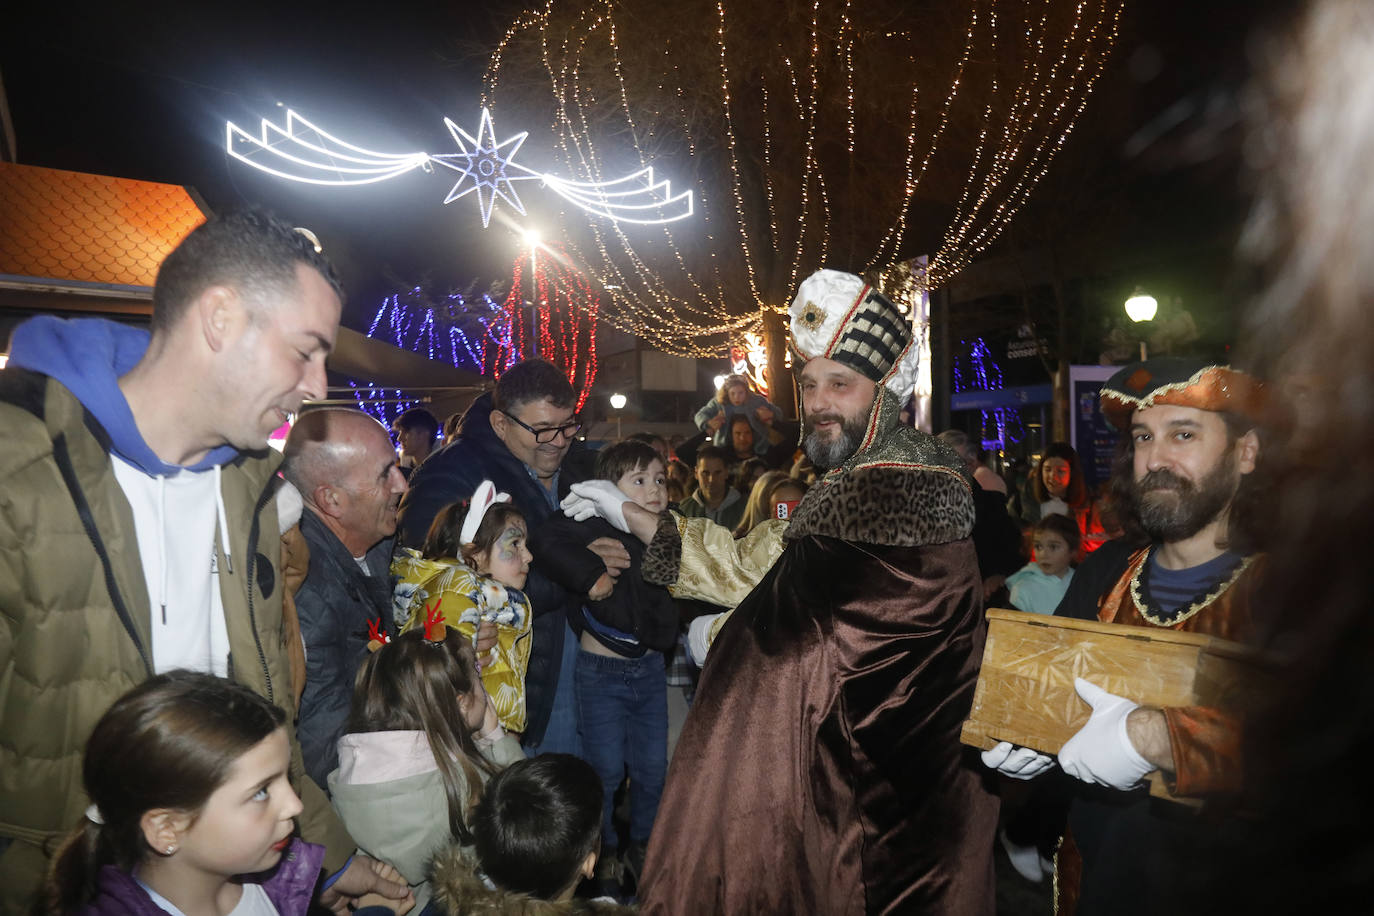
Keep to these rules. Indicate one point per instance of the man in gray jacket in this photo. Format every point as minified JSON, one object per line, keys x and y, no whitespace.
{"x":342,"y":462}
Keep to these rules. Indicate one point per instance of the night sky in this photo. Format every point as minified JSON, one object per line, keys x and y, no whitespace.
{"x":144,"y":91}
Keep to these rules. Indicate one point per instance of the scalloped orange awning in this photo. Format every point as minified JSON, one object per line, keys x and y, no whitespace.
{"x":90,"y":228}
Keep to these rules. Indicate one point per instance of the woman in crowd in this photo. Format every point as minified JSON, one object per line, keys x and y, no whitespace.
{"x":1059,"y":487}
{"x":772,"y":488}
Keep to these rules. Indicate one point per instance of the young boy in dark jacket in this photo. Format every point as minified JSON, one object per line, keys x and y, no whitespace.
{"x":627,"y":625}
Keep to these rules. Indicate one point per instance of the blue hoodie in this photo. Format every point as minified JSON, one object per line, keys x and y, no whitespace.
{"x":88,"y":356}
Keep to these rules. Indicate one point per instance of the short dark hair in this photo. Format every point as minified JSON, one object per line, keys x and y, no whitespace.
{"x":1062,"y":525}
{"x":417,"y":417}
{"x":712,"y":451}
{"x":532,"y":380}
{"x":620,"y":458}
{"x":648,"y":438}
{"x":250,"y":251}
{"x":537,"y":822}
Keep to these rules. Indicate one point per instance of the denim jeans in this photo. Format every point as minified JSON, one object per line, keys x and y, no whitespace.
{"x":622,"y":705}
{"x":561,"y":735}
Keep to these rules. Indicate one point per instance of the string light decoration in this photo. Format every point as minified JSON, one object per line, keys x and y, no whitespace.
{"x":821,"y":133}
{"x":301,"y":151}
{"x":751,"y":359}
{"x":489,"y":332}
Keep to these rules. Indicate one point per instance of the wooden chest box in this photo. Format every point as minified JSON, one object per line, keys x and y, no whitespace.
{"x":1025,"y":691}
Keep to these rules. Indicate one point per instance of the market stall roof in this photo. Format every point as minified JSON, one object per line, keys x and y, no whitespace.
{"x":92,"y":234}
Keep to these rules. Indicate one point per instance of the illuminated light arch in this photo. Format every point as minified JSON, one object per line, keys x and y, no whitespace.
{"x":302,"y":151}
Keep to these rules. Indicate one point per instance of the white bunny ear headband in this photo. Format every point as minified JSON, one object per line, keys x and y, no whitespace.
{"x":483,"y":499}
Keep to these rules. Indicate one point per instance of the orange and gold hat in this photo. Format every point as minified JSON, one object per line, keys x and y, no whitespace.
{"x":1183,"y":383}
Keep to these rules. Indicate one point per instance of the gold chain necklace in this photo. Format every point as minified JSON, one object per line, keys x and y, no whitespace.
{"x":1140,"y":604}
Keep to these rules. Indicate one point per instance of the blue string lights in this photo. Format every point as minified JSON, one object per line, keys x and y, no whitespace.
{"x":1002,"y":424}
{"x":475,"y":332}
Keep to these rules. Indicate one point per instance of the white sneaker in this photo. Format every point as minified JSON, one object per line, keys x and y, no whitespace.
{"x":1025,"y":859}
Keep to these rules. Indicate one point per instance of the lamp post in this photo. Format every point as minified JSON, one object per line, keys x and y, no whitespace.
{"x":617,"y":404}
{"x":532,"y":240}
{"x":1141,"y":307}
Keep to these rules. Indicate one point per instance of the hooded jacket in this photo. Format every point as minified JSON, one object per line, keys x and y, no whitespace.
{"x":460,"y":891}
{"x":76,"y":628}
{"x":390,"y":794}
{"x":290,"y":886}
{"x":451,"y":475}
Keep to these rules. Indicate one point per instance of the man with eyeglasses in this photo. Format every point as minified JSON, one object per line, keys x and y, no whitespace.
{"x":523,"y":438}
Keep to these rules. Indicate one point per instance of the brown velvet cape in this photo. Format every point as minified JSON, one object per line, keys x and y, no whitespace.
{"x":820,"y":770}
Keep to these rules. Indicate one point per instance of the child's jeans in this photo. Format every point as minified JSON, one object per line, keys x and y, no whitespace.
{"x":622,"y":709}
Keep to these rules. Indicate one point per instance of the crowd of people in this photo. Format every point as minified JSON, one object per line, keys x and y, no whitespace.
{"x":435,"y":675}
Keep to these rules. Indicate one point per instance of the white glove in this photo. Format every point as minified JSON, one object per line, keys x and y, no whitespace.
{"x":1101,"y":752}
{"x":1016,"y":762}
{"x":699,"y":637}
{"x":597,"y":497}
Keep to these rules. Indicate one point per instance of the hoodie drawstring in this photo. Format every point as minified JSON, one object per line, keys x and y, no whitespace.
{"x":162,"y":543}
{"x":222,"y":522}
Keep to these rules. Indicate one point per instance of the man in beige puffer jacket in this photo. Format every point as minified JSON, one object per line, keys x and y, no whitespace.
{"x":137,"y":526}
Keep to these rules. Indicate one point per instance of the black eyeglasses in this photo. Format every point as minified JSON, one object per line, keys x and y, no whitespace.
{"x":549,"y":433}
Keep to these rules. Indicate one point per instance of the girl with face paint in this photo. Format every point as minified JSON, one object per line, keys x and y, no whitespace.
{"x":470,"y":572}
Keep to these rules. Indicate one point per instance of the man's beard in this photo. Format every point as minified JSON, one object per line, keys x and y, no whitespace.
{"x":831,"y":452}
{"x":1191,"y":507}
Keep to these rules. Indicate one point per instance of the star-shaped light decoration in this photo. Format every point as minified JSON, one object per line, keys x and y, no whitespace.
{"x":301,"y":151}
{"x":487,"y":167}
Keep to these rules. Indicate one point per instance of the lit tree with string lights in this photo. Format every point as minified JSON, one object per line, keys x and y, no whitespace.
{"x":850,"y":135}
{"x":548,"y":310}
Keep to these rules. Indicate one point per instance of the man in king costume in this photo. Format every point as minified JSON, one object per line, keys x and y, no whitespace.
{"x":1185,"y":479}
{"x":820,"y":769}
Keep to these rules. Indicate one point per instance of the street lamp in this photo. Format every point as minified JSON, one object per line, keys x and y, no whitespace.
{"x":617,"y":404}
{"x":531,"y":237}
{"x":1141,"y":307}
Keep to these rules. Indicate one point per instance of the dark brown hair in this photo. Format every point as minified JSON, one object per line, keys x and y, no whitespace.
{"x":537,"y":822}
{"x":1077,"y":493}
{"x":250,"y":251}
{"x":532,"y":380}
{"x":1062,"y":525}
{"x":168,"y":743}
{"x":620,"y":458}
{"x":411,"y":684}
{"x":442,"y":542}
